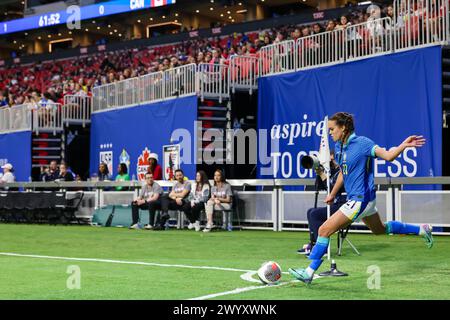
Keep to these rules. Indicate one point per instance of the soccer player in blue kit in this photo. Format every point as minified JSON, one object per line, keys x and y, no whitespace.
{"x":355,"y":156}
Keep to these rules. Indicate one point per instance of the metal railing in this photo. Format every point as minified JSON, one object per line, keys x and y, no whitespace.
{"x":151,"y":87}
{"x":244,"y":73}
{"x":277,"y":58}
{"x":276,"y":209}
{"x":420,"y":23}
{"x":368,"y":39}
{"x":320,"y":49}
{"x":213,"y":81}
{"x":179,"y":81}
{"x":16,"y":118}
{"x":48,"y":118}
{"x":77,"y":109}
{"x":104,"y":97}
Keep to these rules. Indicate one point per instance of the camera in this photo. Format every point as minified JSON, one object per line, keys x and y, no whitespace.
{"x":310,"y":162}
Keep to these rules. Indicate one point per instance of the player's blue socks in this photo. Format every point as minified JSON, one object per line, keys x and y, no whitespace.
{"x":317,"y":253}
{"x":396,"y":227}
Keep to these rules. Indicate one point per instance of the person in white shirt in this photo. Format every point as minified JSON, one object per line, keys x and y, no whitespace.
{"x":7,"y":175}
{"x":199,"y":196}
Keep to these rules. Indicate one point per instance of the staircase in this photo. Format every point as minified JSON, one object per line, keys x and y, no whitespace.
{"x":47,"y":147}
{"x":215,"y":117}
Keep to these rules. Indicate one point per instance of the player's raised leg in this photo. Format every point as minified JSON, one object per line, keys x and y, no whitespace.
{"x":395,"y":227}
{"x":337,"y":221}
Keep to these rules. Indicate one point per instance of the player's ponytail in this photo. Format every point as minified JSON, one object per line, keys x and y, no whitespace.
{"x":344,"y":119}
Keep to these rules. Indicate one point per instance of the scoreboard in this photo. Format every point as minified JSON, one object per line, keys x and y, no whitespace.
{"x":76,"y":13}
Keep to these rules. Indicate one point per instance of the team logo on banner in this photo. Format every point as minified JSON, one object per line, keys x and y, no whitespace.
{"x":143,"y":164}
{"x":106,"y":156}
{"x":125,"y":158}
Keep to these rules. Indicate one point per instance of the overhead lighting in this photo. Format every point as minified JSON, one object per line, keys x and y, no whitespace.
{"x":221,"y":14}
{"x":49,"y":36}
{"x":163,"y":17}
{"x":230,"y":17}
{"x":110,"y":33}
{"x":120,"y":34}
{"x":26,"y":33}
{"x":115,"y":30}
{"x":59,"y":34}
{"x":15,"y":41}
{"x":228,"y":12}
{"x":98,"y":28}
{"x":176,"y":14}
{"x":176,"y":21}
{"x":93,"y":21}
{"x":151,"y":19}
{"x":364,"y":3}
{"x":197,"y":11}
{"x":242,"y":11}
{"x":86,"y":29}
{"x":211,"y":8}
{"x":139,"y":21}
{"x":39,"y":38}
{"x":232,"y":20}
{"x":240,"y":3}
{"x":109,"y":26}
{"x":70,"y":32}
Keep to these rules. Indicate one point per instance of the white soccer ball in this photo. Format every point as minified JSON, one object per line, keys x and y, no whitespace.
{"x":270,"y":272}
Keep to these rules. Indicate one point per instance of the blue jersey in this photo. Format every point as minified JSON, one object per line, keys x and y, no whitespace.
{"x":356,"y":161}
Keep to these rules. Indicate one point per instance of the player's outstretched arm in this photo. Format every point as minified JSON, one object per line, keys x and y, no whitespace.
{"x":410,"y":142}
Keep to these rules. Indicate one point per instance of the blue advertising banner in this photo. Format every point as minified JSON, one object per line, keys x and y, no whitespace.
{"x":129,"y":135}
{"x":15,"y":148}
{"x":391,"y":97}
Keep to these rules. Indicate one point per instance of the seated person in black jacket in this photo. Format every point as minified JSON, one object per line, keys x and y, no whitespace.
{"x":317,"y":216}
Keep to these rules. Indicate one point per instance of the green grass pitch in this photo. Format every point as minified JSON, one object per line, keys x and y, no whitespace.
{"x":408,"y":270}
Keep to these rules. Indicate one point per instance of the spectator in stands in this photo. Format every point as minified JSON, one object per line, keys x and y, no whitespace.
{"x":317,"y":28}
{"x":53,"y":173}
{"x":149,"y":199}
{"x":199,"y":196}
{"x":103,"y":172}
{"x":122,"y":175}
{"x":153,"y":167}
{"x":331,"y":25}
{"x":343,"y":23}
{"x":221,"y":198}
{"x":64,"y":174}
{"x":3,"y":99}
{"x":7,"y":176}
{"x":176,"y":200}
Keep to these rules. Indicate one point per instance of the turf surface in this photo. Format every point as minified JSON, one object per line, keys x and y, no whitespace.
{"x":408,"y":270}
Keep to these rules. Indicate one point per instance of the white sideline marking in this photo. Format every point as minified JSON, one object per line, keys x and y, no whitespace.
{"x":122,"y":262}
{"x":247,"y":276}
{"x":240,"y":290}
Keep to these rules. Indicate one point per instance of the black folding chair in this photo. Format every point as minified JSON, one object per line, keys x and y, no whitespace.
{"x":71,"y":206}
{"x":341,"y":236}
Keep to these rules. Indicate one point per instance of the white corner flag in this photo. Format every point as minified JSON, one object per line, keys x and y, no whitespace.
{"x":324,"y":151}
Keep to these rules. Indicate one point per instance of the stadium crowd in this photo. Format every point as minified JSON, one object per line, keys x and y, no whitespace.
{"x":44,"y":83}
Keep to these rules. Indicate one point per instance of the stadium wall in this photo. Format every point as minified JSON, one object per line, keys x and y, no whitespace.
{"x":391,"y":97}
{"x":129,"y":134}
{"x":15,"y":148}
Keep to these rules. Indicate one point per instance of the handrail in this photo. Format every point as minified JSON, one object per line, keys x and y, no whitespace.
{"x":387,"y":181}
